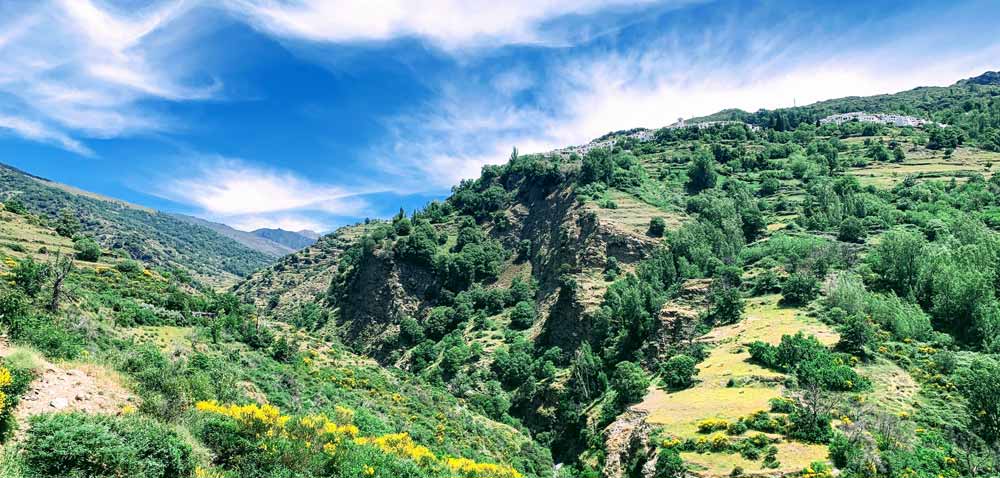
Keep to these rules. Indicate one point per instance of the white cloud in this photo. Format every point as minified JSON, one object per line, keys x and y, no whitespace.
{"x":245,"y":195}
{"x":450,"y":24}
{"x":38,"y":132}
{"x":291,"y":222}
{"x":476,"y":123}
{"x":82,"y":68}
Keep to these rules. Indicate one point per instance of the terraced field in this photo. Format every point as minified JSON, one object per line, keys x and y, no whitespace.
{"x":730,"y":387}
{"x":927,"y":164}
{"x":632,"y":215}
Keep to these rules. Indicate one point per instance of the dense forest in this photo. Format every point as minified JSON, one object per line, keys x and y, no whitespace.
{"x":767,"y":297}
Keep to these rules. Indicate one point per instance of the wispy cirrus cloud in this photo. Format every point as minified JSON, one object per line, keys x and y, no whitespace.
{"x":79,"y":68}
{"x":735,"y":61}
{"x":39,"y":132}
{"x":451,"y":24}
{"x":247,"y":195}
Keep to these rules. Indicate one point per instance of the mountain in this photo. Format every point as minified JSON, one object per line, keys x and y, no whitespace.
{"x":252,"y":240}
{"x":290,"y":239}
{"x":629,"y":306}
{"x":193,"y":379}
{"x":153,"y":237}
{"x":773,"y":295}
{"x":988,"y":78}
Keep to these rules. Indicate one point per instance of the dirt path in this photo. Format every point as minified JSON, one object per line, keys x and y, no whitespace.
{"x":68,"y":387}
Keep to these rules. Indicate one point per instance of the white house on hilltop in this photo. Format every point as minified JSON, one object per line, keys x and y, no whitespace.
{"x":890,"y":119}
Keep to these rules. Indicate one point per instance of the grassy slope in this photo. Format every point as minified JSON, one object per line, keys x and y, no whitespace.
{"x":153,"y":237}
{"x":324,"y":375}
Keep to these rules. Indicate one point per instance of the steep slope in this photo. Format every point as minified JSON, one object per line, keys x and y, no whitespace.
{"x":543,"y":290}
{"x":127,"y":343}
{"x":294,"y":240}
{"x":252,"y":240}
{"x":300,"y":278}
{"x":150,"y":236}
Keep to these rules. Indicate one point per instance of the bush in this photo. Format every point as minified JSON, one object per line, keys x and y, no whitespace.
{"x":678,"y":372}
{"x":799,"y":288}
{"x":77,"y":444}
{"x":630,"y":381}
{"x":851,"y":230}
{"x":87,"y":249}
{"x":523,"y":315}
{"x":29,"y":276}
{"x":657,"y":226}
{"x":669,"y":464}
{"x":701,"y":172}
{"x":857,"y":337}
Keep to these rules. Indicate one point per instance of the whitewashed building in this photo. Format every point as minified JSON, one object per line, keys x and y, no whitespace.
{"x":882,"y":118}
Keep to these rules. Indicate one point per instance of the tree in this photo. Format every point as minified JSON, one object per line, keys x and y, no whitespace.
{"x":523,"y":315}
{"x":598,"y":165}
{"x":67,"y":225}
{"x":857,"y":337}
{"x":979,"y":385}
{"x":851,"y":230}
{"x":799,"y":288}
{"x":880,"y":153}
{"x":895,"y":261}
{"x":586,"y":373}
{"x":87,"y":249}
{"x":630,"y":381}
{"x":769,"y":185}
{"x":61,"y":268}
{"x":657,"y":226}
{"x":725,"y":303}
{"x":701,"y":173}
{"x":678,"y":372}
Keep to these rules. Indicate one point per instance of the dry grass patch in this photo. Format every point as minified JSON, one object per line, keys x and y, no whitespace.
{"x":632,"y":215}
{"x":792,"y":456}
{"x":894,"y":389}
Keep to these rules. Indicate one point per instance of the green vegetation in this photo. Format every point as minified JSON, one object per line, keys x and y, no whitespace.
{"x":806,"y":299}
{"x":128,"y":231}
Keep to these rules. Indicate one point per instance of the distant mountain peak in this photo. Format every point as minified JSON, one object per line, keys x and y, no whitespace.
{"x":987,"y":78}
{"x":292,"y":239}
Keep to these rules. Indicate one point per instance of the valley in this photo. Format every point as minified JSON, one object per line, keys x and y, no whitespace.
{"x":770,"y":295}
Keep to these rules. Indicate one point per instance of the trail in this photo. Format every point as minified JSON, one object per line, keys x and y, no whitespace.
{"x":69,"y":387}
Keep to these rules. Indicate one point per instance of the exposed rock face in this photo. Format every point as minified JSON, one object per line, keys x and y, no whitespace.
{"x":382,"y":293}
{"x":628,"y":447}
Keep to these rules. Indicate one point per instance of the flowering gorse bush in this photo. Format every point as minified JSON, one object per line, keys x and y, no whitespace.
{"x":260,"y":436}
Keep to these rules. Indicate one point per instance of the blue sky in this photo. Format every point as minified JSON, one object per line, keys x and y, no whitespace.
{"x":317,"y":113}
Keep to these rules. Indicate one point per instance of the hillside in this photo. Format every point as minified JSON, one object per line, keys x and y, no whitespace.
{"x":554,"y":288}
{"x":249,"y":239}
{"x":153,"y":237}
{"x":169,"y":368}
{"x":294,"y":240}
{"x":775,"y":297}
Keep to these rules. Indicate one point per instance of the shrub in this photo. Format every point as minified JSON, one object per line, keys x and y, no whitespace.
{"x":14,"y":382}
{"x":630,"y":381}
{"x":87,"y":249}
{"x":77,"y":444}
{"x":851,"y":230}
{"x":129,"y":266}
{"x":799,"y":288}
{"x":523,"y":315}
{"x":678,"y":372}
{"x":669,"y":464}
{"x":710,"y":425}
{"x":810,"y":427}
{"x":657,"y":226}
{"x":29,"y":276}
